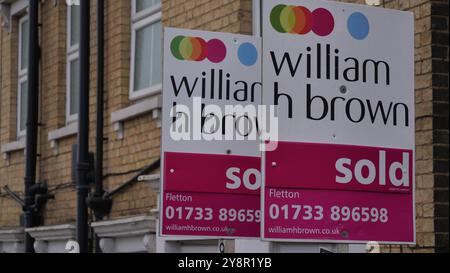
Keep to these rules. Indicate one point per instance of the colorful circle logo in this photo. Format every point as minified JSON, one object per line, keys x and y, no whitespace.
{"x":300,"y":20}
{"x":248,"y":54}
{"x":358,"y":26}
{"x":197,"y":49}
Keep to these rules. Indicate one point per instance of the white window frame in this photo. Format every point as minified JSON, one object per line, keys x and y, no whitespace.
{"x":136,"y":16}
{"x":72,"y":55}
{"x":22,"y":77}
{"x":140,"y":20}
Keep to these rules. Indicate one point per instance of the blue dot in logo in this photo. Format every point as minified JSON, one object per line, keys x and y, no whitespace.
{"x":358,"y":26}
{"x":247,"y":53}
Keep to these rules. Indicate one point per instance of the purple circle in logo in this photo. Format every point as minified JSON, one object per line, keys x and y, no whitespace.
{"x":216,"y":51}
{"x":322,"y":22}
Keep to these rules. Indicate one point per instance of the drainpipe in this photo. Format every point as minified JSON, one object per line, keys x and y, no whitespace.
{"x":100,"y":109}
{"x":83,"y":130}
{"x":32,"y":123}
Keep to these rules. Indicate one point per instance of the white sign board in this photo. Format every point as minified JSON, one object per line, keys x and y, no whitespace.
{"x":211,"y":175}
{"x":343,"y":78}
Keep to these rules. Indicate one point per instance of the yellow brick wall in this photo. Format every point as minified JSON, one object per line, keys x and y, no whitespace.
{"x":424,"y":130}
{"x":11,"y":174}
{"x":55,"y":170}
{"x":141,"y":143}
{"x":232,"y":16}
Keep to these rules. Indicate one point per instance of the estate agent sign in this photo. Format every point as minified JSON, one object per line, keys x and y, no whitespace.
{"x":211,"y":156}
{"x":342,"y":76}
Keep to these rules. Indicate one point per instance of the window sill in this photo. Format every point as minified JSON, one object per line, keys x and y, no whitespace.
{"x":52,"y":238}
{"x":12,"y":147}
{"x":57,"y":135}
{"x":151,"y":105}
{"x":116,"y":235}
{"x":145,"y":93}
{"x":11,"y":241}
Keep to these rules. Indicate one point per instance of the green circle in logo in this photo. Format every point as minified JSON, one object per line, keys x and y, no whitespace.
{"x":275,"y":17}
{"x":175,"y":47}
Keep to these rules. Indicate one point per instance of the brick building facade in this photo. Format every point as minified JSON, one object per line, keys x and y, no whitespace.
{"x":133,"y":109}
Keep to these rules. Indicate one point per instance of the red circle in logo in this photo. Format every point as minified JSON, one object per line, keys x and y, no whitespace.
{"x":303,"y":22}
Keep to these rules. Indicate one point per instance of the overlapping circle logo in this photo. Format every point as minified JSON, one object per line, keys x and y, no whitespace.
{"x":300,"y":20}
{"x":197,"y":49}
{"x":291,"y":19}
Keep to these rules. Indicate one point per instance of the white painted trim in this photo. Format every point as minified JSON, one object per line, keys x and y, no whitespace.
{"x":52,"y":233}
{"x":10,"y":9}
{"x":151,"y":178}
{"x":64,"y":132}
{"x":146,"y":106}
{"x":12,"y":235}
{"x":136,"y":16}
{"x":19,"y":6}
{"x":14,"y":146}
{"x":11,"y":241}
{"x":57,"y":135}
{"x":129,"y":235}
{"x":125,"y":227}
{"x":138,"y":109}
{"x":52,"y":239}
{"x":140,"y":20}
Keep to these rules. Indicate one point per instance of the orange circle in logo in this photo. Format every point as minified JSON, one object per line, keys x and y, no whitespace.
{"x":303,"y":20}
{"x":198,"y":49}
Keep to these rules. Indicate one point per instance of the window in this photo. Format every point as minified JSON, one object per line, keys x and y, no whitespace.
{"x":73,"y":71}
{"x":22,"y":86}
{"x":146,"y":44}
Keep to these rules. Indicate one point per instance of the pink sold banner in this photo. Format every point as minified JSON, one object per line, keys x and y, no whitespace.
{"x":211,"y":195}
{"x":339,"y":193}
